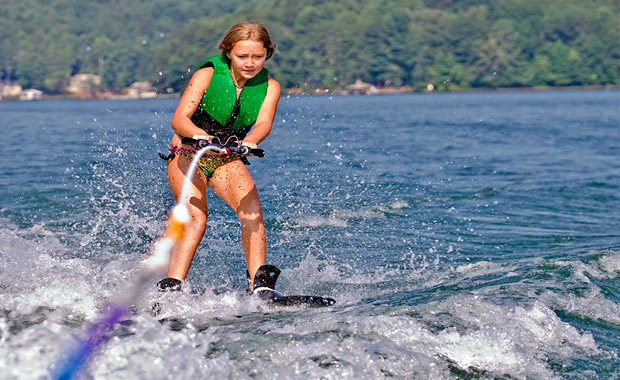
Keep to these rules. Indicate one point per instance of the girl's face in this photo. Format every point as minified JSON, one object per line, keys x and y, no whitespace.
{"x":247,"y":59}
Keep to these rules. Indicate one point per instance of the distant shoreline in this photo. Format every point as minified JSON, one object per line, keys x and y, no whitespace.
{"x":293,"y":92}
{"x":481,"y":89}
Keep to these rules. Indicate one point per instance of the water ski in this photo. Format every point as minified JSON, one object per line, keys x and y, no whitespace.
{"x":264,"y":288}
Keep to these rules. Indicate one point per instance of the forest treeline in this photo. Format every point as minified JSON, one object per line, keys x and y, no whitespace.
{"x":322,"y":44}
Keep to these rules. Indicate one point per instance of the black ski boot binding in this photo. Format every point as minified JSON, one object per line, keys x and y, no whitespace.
{"x":265,"y":283}
{"x":169,"y":285}
{"x":264,"y":288}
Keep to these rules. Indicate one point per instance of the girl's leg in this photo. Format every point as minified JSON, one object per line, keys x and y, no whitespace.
{"x":234,"y":184}
{"x":183,"y":254}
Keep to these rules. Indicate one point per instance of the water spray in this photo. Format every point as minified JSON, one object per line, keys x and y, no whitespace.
{"x":153,"y":267}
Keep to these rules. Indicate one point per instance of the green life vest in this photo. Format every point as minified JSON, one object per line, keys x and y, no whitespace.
{"x":221,"y":95}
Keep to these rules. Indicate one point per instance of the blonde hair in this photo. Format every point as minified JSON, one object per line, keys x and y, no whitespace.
{"x":244,"y":31}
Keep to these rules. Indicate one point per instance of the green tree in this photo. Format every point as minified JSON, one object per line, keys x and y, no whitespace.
{"x":322,"y":43}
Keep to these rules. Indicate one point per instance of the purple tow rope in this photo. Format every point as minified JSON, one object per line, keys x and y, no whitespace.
{"x":96,"y":336}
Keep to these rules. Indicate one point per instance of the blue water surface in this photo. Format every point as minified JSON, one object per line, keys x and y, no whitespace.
{"x":464,"y":236}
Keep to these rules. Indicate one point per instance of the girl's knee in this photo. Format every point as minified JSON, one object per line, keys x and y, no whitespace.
{"x":198,"y":221}
{"x":251,"y":220}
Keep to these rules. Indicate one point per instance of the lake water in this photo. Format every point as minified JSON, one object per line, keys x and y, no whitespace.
{"x":464,"y":236}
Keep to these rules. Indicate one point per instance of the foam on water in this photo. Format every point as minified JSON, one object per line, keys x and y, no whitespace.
{"x":342,"y":217}
{"x":213,"y":335}
{"x":41,"y":276}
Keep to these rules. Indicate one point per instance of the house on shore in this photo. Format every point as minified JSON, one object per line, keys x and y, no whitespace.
{"x":15,"y":91}
{"x":10,"y":91}
{"x":141,"y":90}
{"x":31,"y":94}
{"x":84,"y":85}
{"x":360,"y":88}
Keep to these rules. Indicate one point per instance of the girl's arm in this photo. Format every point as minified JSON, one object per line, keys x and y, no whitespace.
{"x":190,"y":100}
{"x":265,"y":117}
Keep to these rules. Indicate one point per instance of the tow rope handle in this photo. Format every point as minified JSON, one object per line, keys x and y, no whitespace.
{"x":238,"y":150}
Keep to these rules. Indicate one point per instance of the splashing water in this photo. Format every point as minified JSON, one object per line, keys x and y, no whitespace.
{"x":463,"y":235}
{"x":152,"y":268}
